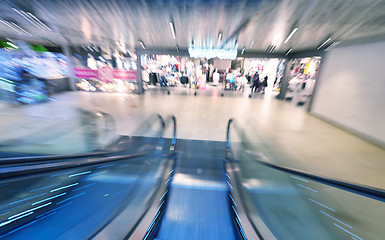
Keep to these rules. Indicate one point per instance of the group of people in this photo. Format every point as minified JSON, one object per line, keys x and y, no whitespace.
{"x":235,"y":81}
{"x":238,"y":81}
{"x":257,"y":84}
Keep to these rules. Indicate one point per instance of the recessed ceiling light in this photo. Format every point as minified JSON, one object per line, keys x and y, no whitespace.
{"x":172,"y":27}
{"x":324,"y":43}
{"x":290,"y":35}
{"x":141,"y":43}
{"x":220,"y":35}
{"x":289,"y":51}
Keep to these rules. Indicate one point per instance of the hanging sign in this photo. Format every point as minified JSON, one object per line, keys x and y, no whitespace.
{"x":105,"y":74}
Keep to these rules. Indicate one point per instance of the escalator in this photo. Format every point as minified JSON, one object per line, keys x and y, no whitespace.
{"x":279,"y":202}
{"x":154,"y":186}
{"x":86,"y":196}
{"x":197,"y":205}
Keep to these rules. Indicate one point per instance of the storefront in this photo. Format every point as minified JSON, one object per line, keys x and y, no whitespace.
{"x":302,"y":78}
{"x":271,"y":69}
{"x":176,"y":70}
{"x":104,"y":70}
{"x":30,"y":73}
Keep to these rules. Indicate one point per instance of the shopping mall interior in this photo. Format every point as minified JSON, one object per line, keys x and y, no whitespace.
{"x":174,"y":120}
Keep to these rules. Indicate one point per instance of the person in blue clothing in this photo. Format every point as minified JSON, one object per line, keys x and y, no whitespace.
{"x":163,"y":80}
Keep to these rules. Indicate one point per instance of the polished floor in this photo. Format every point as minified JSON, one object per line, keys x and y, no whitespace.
{"x":292,"y":136}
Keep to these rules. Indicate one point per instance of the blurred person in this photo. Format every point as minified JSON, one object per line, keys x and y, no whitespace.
{"x":216,"y":78}
{"x":163,"y":80}
{"x":255,"y":84}
{"x":263,"y":85}
{"x":242,"y":80}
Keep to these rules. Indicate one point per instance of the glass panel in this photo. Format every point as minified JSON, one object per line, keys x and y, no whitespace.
{"x":293,"y":207}
{"x":78,"y":132}
{"x":75,"y":203}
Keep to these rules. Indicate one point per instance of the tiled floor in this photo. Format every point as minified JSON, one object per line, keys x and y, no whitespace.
{"x":304,"y":141}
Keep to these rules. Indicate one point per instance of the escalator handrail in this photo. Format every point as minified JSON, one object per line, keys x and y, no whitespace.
{"x":363,"y":190}
{"x":38,"y":158}
{"x":70,"y":162}
{"x":29,"y":159}
{"x":108,"y":120}
{"x":172,"y":118}
{"x":144,"y":229}
{"x":9,"y":172}
{"x":20,"y":140}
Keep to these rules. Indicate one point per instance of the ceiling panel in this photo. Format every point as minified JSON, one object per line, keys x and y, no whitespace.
{"x":265,"y":22}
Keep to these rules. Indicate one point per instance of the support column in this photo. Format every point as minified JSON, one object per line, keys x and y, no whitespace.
{"x":139,"y":71}
{"x":285,"y":80}
{"x":70,"y":66}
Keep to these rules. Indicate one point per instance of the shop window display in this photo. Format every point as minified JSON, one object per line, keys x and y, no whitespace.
{"x":302,"y":79}
{"x":177,"y":71}
{"x":26,"y":76}
{"x":105,"y":72}
{"x":270,"y":71}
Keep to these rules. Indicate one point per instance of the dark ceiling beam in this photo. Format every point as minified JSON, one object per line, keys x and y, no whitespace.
{"x":305,"y":54}
{"x":163,"y":51}
{"x":255,"y":54}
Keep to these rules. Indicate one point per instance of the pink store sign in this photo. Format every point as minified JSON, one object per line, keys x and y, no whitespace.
{"x":105,"y":74}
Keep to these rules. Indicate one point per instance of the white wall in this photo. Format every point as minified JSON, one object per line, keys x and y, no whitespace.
{"x":270,"y":70}
{"x":222,"y":64}
{"x":351,"y":89}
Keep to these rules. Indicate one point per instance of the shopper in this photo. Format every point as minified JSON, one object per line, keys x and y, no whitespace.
{"x":255,"y":85}
{"x":242,"y":80}
{"x":163,"y":80}
{"x":263,"y":85}
{"x":215,"y":78}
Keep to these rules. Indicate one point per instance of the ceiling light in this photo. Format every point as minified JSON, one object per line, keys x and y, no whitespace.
{"x":220,"y":37}
{"x":172,"y":27}
{"x":243,"y":50}
{"x":323,"y":43}
{"x":141,"y":43}
{"x":334,"y":44}
{"x":291,"y":34}
{"x":10,"y":26}
{"x":271,"y":48}
{"x":251,"y":44}
{"x":20,"y":28}
{"x":289,"y":51}
{"x":22,"y":13}
{"x":32,"y":19}
{"x":12,"y":45}
{"x":38,"y":20}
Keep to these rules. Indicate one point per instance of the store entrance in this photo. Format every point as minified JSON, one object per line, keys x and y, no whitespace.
{"x":301,"y":80}
{"x":167,"y":71}
{"x":220,"y":76}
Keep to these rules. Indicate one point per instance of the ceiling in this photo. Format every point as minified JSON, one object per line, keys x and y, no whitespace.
{"x":255,"y":24}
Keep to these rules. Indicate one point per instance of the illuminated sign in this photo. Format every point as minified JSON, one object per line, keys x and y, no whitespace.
{"x":229,"y":51}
